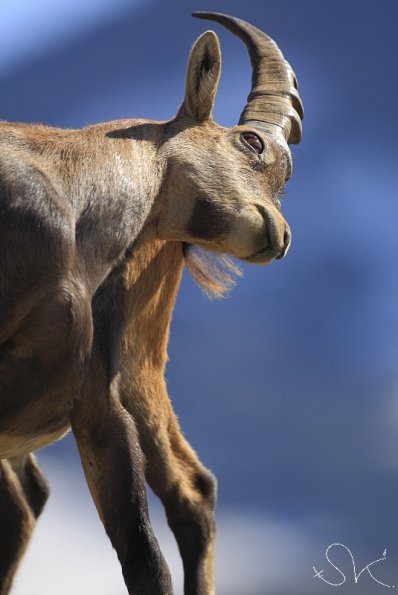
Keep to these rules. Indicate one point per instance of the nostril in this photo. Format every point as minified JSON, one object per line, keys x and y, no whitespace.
{"x":275,"y":226}
{"x":287,"y":237}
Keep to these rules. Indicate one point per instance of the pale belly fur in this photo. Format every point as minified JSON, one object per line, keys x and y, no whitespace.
{"x":16,"y":446}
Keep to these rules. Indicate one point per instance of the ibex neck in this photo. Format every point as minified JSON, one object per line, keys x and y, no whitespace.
{"x":151,"y":279}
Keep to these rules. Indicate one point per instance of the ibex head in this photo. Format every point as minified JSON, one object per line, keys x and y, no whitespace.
{"x":223,"y":186}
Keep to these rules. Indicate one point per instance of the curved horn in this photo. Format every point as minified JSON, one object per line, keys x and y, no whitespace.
{"x":274,"y":99}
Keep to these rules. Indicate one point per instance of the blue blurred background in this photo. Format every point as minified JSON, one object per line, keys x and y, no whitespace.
{"x":288,"y":389}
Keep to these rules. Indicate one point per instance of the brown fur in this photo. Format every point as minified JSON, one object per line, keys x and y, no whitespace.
{"x":93,"y":225}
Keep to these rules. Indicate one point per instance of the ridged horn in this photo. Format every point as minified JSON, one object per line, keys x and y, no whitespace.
{"x":274,"y":100}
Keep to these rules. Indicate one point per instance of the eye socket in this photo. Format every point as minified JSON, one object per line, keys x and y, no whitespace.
{"x":254,"y":142}
{"x":288,"y":168}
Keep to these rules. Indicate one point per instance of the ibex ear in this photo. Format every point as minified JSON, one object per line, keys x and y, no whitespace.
{"x":203,"y":74}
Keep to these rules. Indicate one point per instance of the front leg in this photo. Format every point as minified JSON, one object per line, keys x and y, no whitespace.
{"x":113,"y":465}
{"x":186,"y":488}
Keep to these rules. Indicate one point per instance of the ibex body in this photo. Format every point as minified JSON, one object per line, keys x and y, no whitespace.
{"x":93,"y":225}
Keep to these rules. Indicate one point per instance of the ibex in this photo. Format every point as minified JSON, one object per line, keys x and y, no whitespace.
{"x":95,"y":225}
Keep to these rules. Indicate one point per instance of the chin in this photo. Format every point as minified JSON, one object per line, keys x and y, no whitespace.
{"x":262,"y":258}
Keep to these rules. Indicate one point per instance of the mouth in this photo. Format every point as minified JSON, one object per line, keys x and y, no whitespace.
{"x":264,"y":256}
{"x":271,"y":251}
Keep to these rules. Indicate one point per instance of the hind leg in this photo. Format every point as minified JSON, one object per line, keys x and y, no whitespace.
{"x":33,"y":481}
{"x":186,"y":488}
{"x":23,"y":492}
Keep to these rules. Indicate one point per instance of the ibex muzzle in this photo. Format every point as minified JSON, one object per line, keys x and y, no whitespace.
{"x":88,"y":281}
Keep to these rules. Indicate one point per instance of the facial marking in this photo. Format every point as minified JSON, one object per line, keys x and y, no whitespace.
{"x":208,"y":220}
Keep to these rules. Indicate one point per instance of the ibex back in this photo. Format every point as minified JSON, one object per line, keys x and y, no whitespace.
{"x":95,"y":225}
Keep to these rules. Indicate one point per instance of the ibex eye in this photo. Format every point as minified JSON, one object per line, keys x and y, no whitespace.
{"x":253,"y":141}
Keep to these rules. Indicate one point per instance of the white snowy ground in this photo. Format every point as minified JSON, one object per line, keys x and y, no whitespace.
{"x":70,"y":552}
